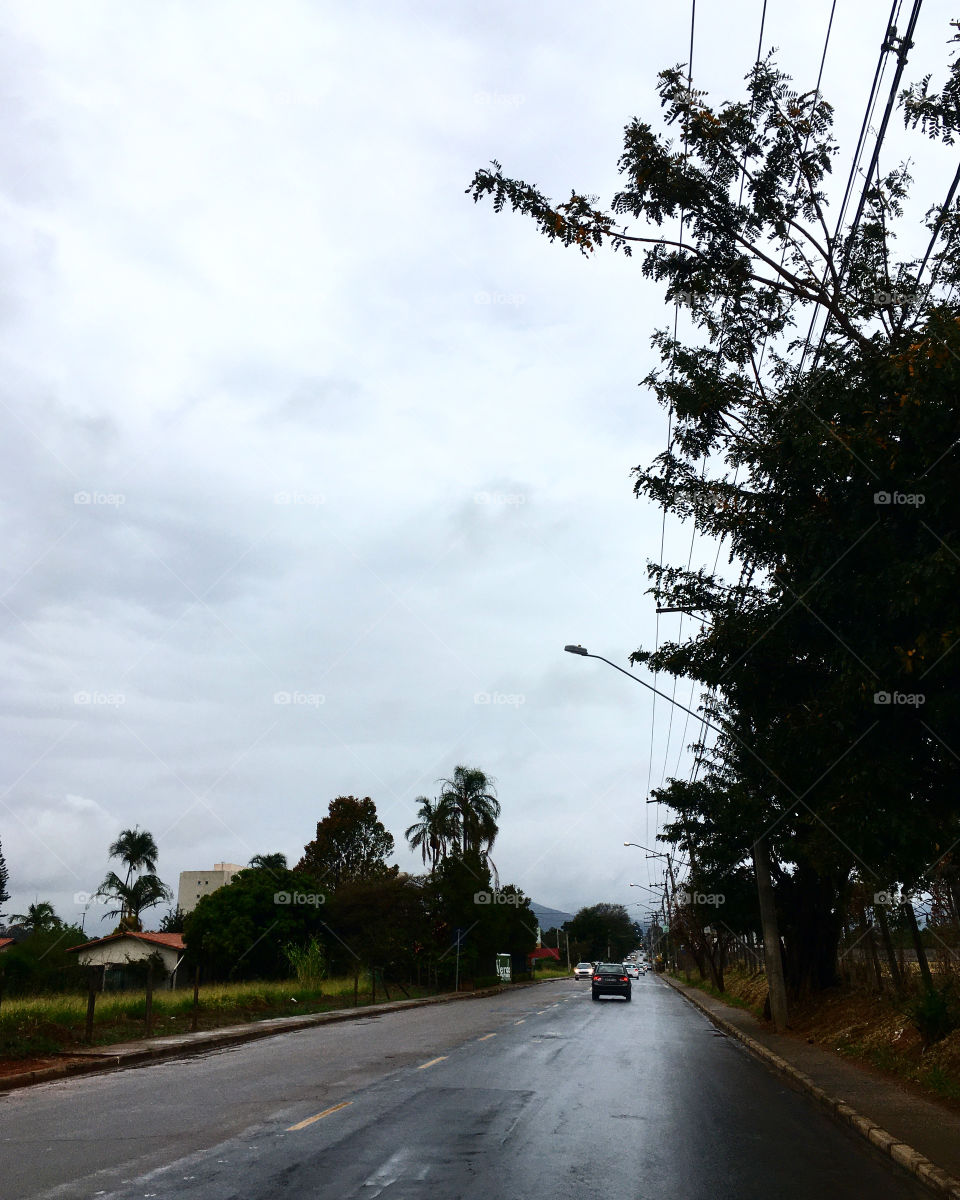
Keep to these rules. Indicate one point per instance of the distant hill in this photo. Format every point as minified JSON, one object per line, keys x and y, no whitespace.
{"x":549,"y":918}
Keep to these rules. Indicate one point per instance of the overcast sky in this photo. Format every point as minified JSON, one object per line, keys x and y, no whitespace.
{"x":285,"y":416}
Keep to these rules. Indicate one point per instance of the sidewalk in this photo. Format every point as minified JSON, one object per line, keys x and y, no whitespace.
{"x":920,"y":1134}
{"x":84,"y":1060}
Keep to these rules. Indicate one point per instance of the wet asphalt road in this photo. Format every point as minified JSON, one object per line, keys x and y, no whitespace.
{"x":535,"y":1092}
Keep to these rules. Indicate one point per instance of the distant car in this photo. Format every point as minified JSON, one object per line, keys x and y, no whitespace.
{"x":583,"y":970}
{"x":632,"y":970}
{"x":610,"y":979}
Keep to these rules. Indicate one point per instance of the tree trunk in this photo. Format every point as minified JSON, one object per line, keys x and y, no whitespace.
{"x":866,"y":933}
{"x":888,"y":949}
{"x":918,"y":945}
{"x":771,"y":936}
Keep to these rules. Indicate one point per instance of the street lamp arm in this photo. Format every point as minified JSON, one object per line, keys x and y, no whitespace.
{"x":643,"y":683}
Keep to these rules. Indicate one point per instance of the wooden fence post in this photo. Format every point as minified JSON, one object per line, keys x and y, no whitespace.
{"x":196,"y":999}
{"x":148,"y":1007}
{"x":91,"y":1003}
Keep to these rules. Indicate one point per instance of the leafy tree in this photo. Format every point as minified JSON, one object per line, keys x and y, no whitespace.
{"x":461,"y":895}
{"x":351,"y":845}
{"x":172,"y":922}
{"x":376,"y":923}
{"x":841,"y":595}
{"x":41,"y":963}
{"x":602,"y":932}
{"x":39,"y":918}
{"x":240,"y":930}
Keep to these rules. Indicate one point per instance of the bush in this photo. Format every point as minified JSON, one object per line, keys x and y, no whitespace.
{"x":309,"y":962}
{"x":935,"y":1014}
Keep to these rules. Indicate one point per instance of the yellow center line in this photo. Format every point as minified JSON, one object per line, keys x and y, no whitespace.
{"x":431,"y":1063}
{"x":319,"y":1117}
{"x":485,"y":1036}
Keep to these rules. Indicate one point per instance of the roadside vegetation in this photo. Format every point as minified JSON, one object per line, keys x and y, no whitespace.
{"x":341,"y":927}
{"x":808,"y":375}
{"x":879,"y":1030}
{"x":38,"y":1025}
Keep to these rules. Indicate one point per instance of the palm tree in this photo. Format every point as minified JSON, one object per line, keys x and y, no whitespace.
{"x":137,"y":850}
{"x":146,"y":891}
{"x":433,"y":832}
{"x":39,"y":918}
{"x":269,"y":862}
{"x":472,"y":800}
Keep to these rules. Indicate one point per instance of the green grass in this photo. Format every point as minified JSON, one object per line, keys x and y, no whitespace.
{"x":39,"y":1025}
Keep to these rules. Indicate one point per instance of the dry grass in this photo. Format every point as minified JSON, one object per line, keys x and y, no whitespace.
{"x":865,"y":1027}
{"x":47,"y":1024}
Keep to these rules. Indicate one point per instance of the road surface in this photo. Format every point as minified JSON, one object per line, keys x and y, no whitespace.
{"x":536,"y":1092}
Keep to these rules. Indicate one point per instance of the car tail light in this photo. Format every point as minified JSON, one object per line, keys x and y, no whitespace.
{"x":623,"y":979}
{"x":596,"y":979}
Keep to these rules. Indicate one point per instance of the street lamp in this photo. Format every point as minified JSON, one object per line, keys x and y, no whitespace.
{"x":761,"y":865}
{"x":581,"y":650}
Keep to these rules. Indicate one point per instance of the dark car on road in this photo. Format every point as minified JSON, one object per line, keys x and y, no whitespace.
{"x":610,"y":979}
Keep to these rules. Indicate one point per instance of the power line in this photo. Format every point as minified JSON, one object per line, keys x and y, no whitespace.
{"x":663,"y":525}
{"x":902,"y":46}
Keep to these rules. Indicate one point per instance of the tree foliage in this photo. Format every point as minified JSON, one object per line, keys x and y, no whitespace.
{"x":824,"y":464}
{"x":40,"y":917}
{"x":240,"y":930}
{"x":351,"y":845}
{"x":134,"y":893}
{"x":602,"y":932}
{"x":4,"y":880}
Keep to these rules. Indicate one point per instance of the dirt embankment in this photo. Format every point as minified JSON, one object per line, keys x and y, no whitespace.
{"x":873,"y":1029}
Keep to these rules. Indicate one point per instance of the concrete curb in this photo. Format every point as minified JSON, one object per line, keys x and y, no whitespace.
{"x":922,"y":1168}
{"x":233,"y":1035}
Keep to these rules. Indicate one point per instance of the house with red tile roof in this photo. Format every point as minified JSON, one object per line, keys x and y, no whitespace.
{"x":544,"y":952}
{"x":120,"y":950}
{"x":6,"y":943}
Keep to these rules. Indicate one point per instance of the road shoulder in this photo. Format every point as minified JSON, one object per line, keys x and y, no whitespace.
{"x":919,"y":1134}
